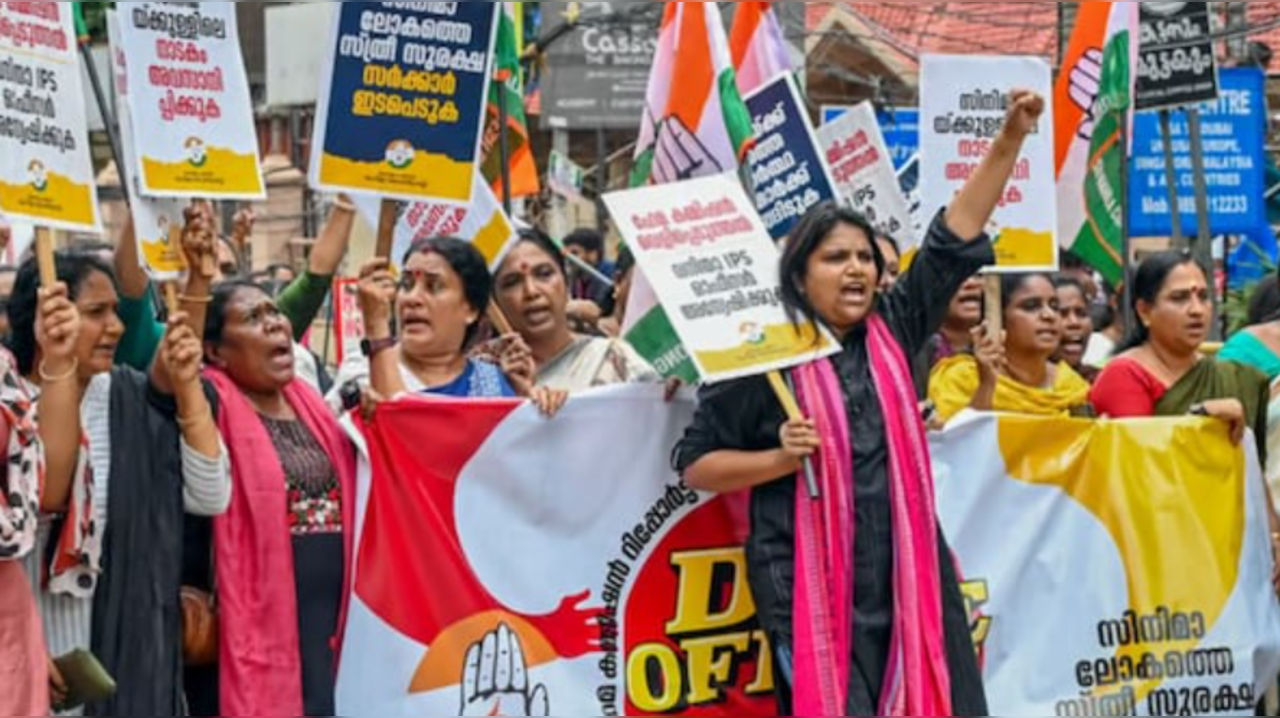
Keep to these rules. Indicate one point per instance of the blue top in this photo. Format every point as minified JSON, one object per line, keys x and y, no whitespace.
{"x":481,"y":380}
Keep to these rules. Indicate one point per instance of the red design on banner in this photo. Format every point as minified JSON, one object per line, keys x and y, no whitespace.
{"x":411,"y":513}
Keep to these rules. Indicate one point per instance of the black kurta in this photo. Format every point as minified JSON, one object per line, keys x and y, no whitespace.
{"x":745,"y":416}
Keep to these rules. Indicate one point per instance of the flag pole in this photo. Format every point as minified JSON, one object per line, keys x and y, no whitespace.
{"x":108,"y":117}
{"x":1127,"y":311}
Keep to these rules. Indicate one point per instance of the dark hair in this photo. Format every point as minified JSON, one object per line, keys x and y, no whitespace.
{"x":1264,"y":304}
{"x":1147,"y":283}
{"x":1011,"y":283}
{"x":215,"y":322}
{"x":897,"y":248}
{"x":540,"y":240}
{"x":1063,"y":281}
{"x":814,"y":229}
{"x":1069,"y":260}
{"x":469,"y":263}
{"x":589,"y":239}
{"x":74,"y":268}
{"x":626,"y":262}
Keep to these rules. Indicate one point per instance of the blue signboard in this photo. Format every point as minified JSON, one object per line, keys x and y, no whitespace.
{"x":402,"y":110}
{"x":899,"y":125}
{"x":789,"y":174}
{"x":1234,"y":129}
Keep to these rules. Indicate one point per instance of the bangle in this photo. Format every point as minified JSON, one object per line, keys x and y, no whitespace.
{"x":207,"y":299}
{"x":45,"y":378}
{"x":344,"y":206}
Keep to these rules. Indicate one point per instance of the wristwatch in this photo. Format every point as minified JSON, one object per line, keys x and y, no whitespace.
{"x":373,"y":347}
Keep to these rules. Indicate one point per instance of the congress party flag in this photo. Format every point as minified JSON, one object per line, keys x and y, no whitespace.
{"x":759,"y":48}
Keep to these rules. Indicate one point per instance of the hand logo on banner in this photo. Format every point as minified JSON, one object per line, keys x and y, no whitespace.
{"x":495,"y":679}
{"x":1086,"y":85}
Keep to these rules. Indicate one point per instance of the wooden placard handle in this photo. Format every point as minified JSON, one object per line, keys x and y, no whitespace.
{"x":387,"y":217}
{"x":993,"y":305}
{"x":45,"y":257}
{"x":787,"y":398}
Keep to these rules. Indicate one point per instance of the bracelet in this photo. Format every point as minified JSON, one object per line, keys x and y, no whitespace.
{"x":344,"y":206}
{"x":45,"y":378}
{"x":195,"y":300}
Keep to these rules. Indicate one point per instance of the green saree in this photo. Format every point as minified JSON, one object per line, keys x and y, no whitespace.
{"x":1211,"y":380}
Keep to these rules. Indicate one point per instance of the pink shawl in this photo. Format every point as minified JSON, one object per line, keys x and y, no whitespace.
{"x":260,"y":667}
{"x":917,"y":681}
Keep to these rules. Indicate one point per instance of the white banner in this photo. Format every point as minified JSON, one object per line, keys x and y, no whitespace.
{"x":1107,"y":576}
{"x":863,"y":172}
{"x":963,"y":103}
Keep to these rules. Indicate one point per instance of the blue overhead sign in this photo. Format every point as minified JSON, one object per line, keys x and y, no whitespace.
{"x":1234,"y":129}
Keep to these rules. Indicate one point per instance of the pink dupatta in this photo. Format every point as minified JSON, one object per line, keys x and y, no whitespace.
{"x":259,"y":664}
{"x":917,"y":679}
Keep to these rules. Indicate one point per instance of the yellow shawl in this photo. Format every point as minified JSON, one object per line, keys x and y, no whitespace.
{"x":955,"y":380}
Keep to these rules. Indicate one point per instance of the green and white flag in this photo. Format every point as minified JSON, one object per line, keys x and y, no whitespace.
{"x":1094,"y":102}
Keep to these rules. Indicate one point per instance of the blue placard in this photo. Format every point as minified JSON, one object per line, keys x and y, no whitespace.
{"x":788,"y":174}
{"x":402,"y":112}
{"x":1234,"y":128}
{"x":899,"y":125}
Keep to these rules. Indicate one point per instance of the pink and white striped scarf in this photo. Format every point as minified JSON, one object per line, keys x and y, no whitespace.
{"x":917,"y":680}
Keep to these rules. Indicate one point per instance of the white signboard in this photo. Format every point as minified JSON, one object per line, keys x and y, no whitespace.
{"x":193,"y":118}
{"x":711,"y":262}
{"x":157,"y":223}
{"x":46,"y":171}
{"x":964,"y":100}
{"x":863,"y":172}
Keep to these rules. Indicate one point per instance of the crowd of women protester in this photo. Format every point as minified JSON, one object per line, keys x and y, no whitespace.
{"x":180,"y":491}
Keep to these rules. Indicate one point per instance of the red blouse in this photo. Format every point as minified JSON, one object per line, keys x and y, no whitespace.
{"x":1127,"y":390}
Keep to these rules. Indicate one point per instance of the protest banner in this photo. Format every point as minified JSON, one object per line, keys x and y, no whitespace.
{"x":710,"y":261}
{"x":789,"y":174}
{"x":963,"y":107}
{"x":157,"y":223}
{"x":864,"y":174}
{"x":1177,"y":64}
{"x":1234,"y":129}
{"x":1113,"y":568}
{"x":482,"y":223}
{"x":619,"y":597}
{"x":900,"y":127}
{"x":403,"y":107}
{"x":46,"y":170}
{"x":193,"y":127}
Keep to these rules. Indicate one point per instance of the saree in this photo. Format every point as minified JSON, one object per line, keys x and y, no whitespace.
{"x":955,"y":381}
{"x":1211,"y":380}
{"x":590,"y":363}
